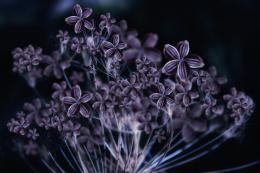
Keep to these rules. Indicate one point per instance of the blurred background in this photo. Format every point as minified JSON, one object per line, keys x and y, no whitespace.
{"x":224,"y":32}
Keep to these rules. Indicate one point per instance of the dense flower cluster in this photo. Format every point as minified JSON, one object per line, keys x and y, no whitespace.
{"x":112,"y":91}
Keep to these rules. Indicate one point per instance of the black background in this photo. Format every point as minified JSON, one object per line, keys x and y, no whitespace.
{"x":225,"y":33}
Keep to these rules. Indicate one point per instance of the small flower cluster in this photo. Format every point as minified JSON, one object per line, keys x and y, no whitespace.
{"x":107,"y":81}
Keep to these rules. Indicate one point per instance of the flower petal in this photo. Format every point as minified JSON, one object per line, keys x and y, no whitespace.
{"x":161,"y":103}
{"x":130,"y":54}
{"x":71,"y":20}
{"x":169,"y":101}
{"x":116,"y":39}
{"x":187,"y":133}
{"x":73,"y":109}
{"x":171,"y":51}
{"x":182,"y":71}
{"x":199,"y":125}
{"x":88,"y":25}
{"x":184,"y":48}
{"x":78,"y":10}
{"x":78,"y":27}
{"x":87,"y":12}
{"x":110,"y":52}
{"x":83,"y":111}
{"x":68,"y":100}
{"x":161,"y":88}
{"x":170,"y":66}
{"x":107,"y":45}
{"x":155,"y":96}
{"x":150,"y":40}
{"x":86,"y":97}
{"x":77,"y":92}
{"x":194,"y":61}
{"x":121,"y":46}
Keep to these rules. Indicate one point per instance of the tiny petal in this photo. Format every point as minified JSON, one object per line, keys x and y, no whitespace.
{"x":86,"y":97}
{"x":87,"y":12}
{"x":88,"y":25}
{"x":71,"y":20}
{"x":73,"y":109}
{"x":171,"y":51}
{"x":194,"y":61}
{"x":121,"y":46}
{"x":155,"y":96}
{"x":182,"y":71}
{"x":78,"y":10}
{"x":184,"y":48}
{"x":68,"y":100}
{"x":110,"y":52}
{"x":78,"y":27}
{"x":77,"y":92}
{"x":150,"y":40}
{"x":83,"y":111}
{"x":161,"y":88}
{"x":161,"y":102}
{"x":170,"y":66}
{"x":107,"y":45}
{"x":115,"y":39}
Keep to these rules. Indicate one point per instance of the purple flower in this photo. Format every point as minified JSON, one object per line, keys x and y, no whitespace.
{"x":191,"y":122}
{"x":184,"y":94}
{"x":163,"y":98}
{"x":63,"y":37}
{"x":71,"y":128}
{"x":131,"y":86}
{"x":33,"y":134}
{"x":113,"y":49}
{"x":80,"y":20}
{"x":55,"y":65}
{"x":102,"y":102}
{"x":77,"y":77}
{"x":78,"y":44}
{"x":181,"y":60}
{"x":26,"y":59}
{"x":77,"y":102}
{"x":31,"y":148}
{"x":240,"y":104}
{"x":147,"y":49}
{"x":60,"y":90}
{"x":106,"y":21}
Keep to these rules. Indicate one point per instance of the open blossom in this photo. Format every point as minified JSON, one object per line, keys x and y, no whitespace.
{"x":146,"y":49}
{"x":113,"y":49}
{"x":81,"y":19}
{"x":55,"y":65}
{"x":163,"y":98}
{"x":181,"y":60}
{"x":76,"y":102}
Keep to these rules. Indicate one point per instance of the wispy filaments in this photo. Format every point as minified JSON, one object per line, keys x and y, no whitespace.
{"x":115,"y":107}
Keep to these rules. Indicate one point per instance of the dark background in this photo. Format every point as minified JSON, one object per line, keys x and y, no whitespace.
{"x":224,"y":32}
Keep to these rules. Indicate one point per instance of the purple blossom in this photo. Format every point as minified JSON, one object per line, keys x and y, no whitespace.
{"x":106,"y":21}
{"x":113,"y":49}
{"x":76,"y":102}
{"x":55,"y":65}
{"x":163,"y":98}
{"x":31,"y":148}
{"x":181,"y":60}
{"x":81,"y":19}
{"x":63,"y":37}
{"x":77,"y":77}
{"x":147,"y":49}
{"x":26,"y":59}
{"x":60,"y":90}
{"x":184,"y":94}
{"x":78,"y":44}
{"x":240,"y":104}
